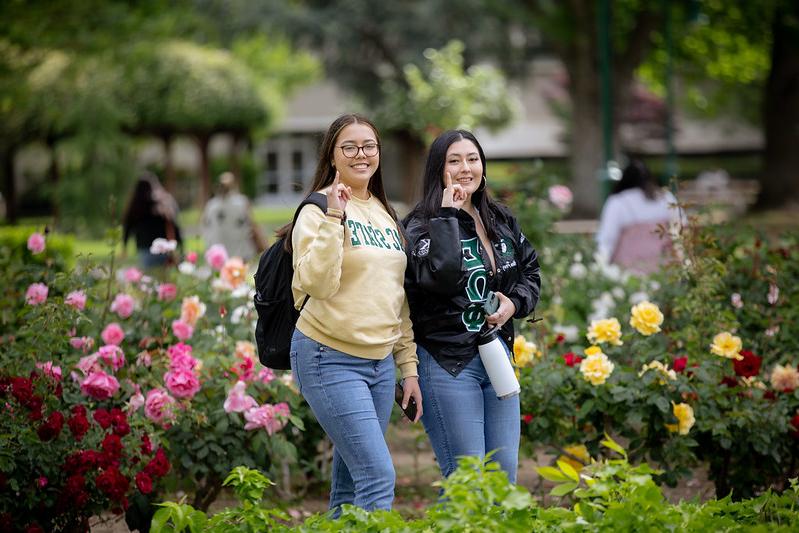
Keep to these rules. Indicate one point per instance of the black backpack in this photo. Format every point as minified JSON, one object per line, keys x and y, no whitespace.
{"x":274,"y":301}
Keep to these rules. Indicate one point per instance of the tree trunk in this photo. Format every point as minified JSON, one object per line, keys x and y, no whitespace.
{"x":413,"y":150}
{"x":205,"y":170}
{"x":10,"y":186}
{"x":169,"y":167}
{"x":586,"y":128}
{"x":54,"y":178}
{"x":780,"y":178}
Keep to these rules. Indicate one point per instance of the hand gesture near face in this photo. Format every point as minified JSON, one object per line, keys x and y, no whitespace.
{"x":338,"y":194}
{"x":453,"y":194}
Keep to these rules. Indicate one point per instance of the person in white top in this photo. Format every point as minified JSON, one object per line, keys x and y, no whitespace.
{"x":227,"y":220}
{"x":628,"y":225}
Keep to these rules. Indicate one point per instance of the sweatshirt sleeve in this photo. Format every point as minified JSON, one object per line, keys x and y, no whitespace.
{"x":318,"y":242}
{"x":405,"y":349}
{"x":434,"y":256}
{"x":525,"y":293}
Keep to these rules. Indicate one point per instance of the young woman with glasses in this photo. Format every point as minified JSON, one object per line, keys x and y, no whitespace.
{"x":461,"y":245}
{"x":354,"y":327}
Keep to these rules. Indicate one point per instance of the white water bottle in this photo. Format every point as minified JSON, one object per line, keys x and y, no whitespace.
{"x":497,"y":365}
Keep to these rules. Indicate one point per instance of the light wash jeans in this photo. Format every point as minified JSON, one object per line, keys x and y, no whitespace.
{"x":352,"y":398}
{"x":463,"y":416}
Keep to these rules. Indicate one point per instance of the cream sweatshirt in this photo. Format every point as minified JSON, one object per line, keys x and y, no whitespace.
{"x":353,"y":275}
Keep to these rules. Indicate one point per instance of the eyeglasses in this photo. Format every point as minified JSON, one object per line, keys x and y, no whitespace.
{"x":351,"y":150}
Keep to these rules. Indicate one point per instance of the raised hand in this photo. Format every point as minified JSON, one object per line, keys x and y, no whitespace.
{"x":453,"y":194}
{"x":338,"y":194}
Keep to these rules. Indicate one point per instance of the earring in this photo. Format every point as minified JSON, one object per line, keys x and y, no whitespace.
{"x":482,"y":186}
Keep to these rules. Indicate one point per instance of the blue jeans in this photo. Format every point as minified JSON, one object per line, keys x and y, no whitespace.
{"x":352,"y":398}
{"x":463,"y":416}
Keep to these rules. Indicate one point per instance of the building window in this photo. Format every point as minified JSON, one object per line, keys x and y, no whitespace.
{"x":271,"y":174}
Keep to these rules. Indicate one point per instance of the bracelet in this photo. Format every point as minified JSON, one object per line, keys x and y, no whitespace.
{"x":335,"y":215}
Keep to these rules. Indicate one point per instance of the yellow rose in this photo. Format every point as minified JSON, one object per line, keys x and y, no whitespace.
{"x":685,"y":418}
{"x":596,"y":368}
{"x":664,"y":371}
{"x":727,"y":345}
{"x":606,"y":330}
{"x":523,"y":351}
{"x":785,"y":378}
{"x":580,"y":452}
{"x":593,"y":350}
{"x":191,"y":310}
{"x":646,"y":318}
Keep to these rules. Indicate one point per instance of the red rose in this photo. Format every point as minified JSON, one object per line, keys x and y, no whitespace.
{"x":158,"y":465}
{"x":104,"y":418}
{"x":22,"y":390}
{"x":146,"y":445}
{"x":678,"y":364}
{"x":78,"y":423}
{"x":112,"y":445}
{"x":560,"y":338}
{"x":112,"y":483}
{"x":571,"y":359}
{"x":34,"y":528}
{"x":527,"y":418}
{"x":748,"y":366}
{"x":795,"y":425}
{"x":730,"y":381}
{"x":144,"y":482}
{"x":35,"y":405}
{"x":52,"y":427}
{"x":120,"y":422}
{"x":769,"y":395}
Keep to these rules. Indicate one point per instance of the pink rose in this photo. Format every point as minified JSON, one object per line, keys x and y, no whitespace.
{"x":216,"y":256}
{"x":159,"y":406}
{"x":76,"y":299}
{"x":89,"y":364}
{"x":50,"y":370}
{"x":238,"y":400}
{"x":36,"y":243}
{"x":263,"y":417}
{"x":266,"y":375}
{"x":36,"y":294}
{"x":136,"y":401}
{"x":113,"y":334}
{"x":182,"y":330}
{"x":182,"y":382}
{"x":180,"y":356}
{"x":282,"y":409}
{"x":112,"y":355}
{"x":144,"y":359}
{"x":167,"y":292}
{"x":123,"y":305}
{"x":191,"y":257}
{"x":560,"y":196}
{"x":99,"y":385}
{"x":133,"y":275}
{"x":82,"y":343}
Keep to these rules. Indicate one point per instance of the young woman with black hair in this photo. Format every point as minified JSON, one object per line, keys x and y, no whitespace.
{"x":461,"y":245}
{"x":350,"y":263}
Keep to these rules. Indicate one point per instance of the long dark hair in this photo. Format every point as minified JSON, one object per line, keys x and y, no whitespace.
{"x":433,"y":184}
{"x":636,"y":174}
{"x":326,"y":172}
{"x":142,"y":203}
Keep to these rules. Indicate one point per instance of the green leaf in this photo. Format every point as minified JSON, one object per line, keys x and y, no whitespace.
{"x":568,"y":470}
{"x":613,"y":445}
{"x":551,"y":473}
{"x":159,"y":521}
{"x":563,"y":489}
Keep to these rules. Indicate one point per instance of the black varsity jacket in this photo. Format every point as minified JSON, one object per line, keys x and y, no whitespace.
{"x":449,"y":275}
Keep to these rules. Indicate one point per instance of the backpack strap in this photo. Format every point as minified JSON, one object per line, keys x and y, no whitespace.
{"x":319,"y":200}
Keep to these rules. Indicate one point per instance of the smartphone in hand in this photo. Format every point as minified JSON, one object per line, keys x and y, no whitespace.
{"x":491,"y":303}
{"x":409,"y":411}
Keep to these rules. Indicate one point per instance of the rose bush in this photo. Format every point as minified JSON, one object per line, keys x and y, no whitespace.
{"x":166,"y":349}
{"x":696,"y":364}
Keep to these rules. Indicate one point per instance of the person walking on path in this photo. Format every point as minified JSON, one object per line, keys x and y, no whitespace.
{"x":151,"y":214}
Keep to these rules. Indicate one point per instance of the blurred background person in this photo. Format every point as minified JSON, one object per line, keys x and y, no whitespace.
{"x":227,"y":220}
{"x":151,"y":214}
{"x":628,"y":233}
